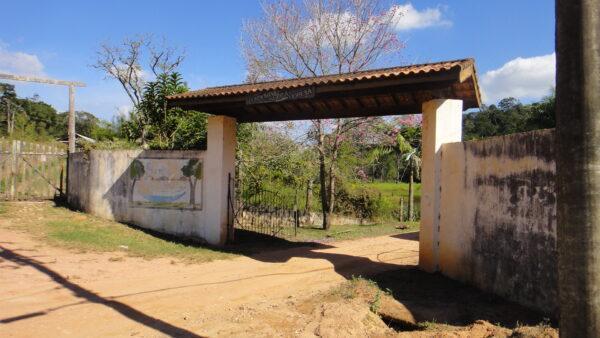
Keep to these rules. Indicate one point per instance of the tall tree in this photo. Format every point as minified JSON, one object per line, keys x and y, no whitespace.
{"x":134,"y":59}
{"x":320,"y":37}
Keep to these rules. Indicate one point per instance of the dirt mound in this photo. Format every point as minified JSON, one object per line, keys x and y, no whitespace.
{"x":345,"y":319}
{"x":541,"y":331}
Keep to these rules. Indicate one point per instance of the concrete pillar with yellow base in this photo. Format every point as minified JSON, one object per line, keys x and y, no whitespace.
{"x":442,"y":123}
{"x":219,"y":166}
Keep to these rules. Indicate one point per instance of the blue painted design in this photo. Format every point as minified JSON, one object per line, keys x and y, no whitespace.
{"x":163,"y":198}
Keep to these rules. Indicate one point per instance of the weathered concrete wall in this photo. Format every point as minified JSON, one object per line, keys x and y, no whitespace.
{"x":442,"y":123}
{"x":101,"y":183}
{"x":498,"y":216}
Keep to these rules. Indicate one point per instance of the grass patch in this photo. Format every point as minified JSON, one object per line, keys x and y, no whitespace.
{"x":354,"y":231}
{"x":65,"y":228}
{"x":391,"y":189}
{"x":391,"y":193}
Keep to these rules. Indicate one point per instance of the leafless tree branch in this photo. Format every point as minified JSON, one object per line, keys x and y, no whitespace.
{"x":124,"y":62}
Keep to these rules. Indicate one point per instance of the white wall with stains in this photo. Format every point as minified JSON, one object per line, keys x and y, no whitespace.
{"x":101,"y":183}
{"x":498,"y":216}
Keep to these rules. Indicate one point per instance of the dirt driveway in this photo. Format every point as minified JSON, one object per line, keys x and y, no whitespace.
{"x":45,"y":291}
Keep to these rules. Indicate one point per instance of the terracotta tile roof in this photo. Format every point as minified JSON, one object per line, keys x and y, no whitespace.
{"x":394,"y":72}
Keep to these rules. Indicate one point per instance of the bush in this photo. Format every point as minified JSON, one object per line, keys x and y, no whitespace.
{"x":117,"y":144}
{"x":365,"y":203}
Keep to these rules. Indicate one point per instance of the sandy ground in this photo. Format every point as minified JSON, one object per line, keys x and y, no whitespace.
{"x":46,"y":291}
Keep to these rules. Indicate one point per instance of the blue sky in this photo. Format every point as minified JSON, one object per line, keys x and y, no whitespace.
{"x":512,"y":42}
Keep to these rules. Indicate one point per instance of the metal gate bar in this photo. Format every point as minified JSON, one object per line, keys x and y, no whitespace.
{"x":262,"y":211}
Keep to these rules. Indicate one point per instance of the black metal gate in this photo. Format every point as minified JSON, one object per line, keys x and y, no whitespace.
{"x":262,"y":211}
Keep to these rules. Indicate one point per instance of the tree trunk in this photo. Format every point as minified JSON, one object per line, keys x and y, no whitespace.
{"x":577,"y":166}
{"x":331,"y":186}
{"x":322,"y":176}
{"x":411,"y":195}
{"x":401,"y":209}
{"x":398,"y":175}
{"x":309,"y":188}
{"x":324,"y":205}
{"x":331,"y":194}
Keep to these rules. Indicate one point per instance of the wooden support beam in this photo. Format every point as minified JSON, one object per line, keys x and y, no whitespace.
{"x":70,"y":84}
{"x":71,"y":130}
{"x":40,"y":80}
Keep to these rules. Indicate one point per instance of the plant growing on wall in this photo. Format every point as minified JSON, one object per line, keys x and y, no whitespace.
{"x":136,"y":172}
{"x":193,"y":171}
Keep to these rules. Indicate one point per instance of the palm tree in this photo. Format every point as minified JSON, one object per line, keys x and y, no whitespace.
{"x":409,"y":155}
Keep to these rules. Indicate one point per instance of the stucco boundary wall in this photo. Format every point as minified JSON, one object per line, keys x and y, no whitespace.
{"x":100,"y":183}
{"x":498,"y":216}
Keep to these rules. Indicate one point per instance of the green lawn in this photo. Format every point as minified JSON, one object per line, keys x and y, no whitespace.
{"x":73,"y":230}
{"x":392,"y":189}
{"x":391,"y":193}
{"x":343,"y":232}
{"x":82,"y":232}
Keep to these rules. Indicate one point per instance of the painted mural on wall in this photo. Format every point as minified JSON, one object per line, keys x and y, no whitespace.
{"x":166,"y":183}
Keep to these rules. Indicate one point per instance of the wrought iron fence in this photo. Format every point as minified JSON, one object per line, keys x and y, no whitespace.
{"x":263,"y":211}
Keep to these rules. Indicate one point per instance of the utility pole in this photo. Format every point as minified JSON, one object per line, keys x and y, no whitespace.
{"x":578,"y":165}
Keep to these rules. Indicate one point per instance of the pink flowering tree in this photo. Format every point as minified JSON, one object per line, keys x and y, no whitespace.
{"x":300,"y":38}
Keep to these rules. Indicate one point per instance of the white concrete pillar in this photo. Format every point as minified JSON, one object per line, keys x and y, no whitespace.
{"x":442,"y":123}
{"x":219,"y":164}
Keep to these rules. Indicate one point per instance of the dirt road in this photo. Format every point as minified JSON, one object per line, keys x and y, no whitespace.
{"x":45,"y":291}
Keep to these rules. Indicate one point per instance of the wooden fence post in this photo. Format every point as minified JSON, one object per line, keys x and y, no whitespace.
{"x":13,"y":169}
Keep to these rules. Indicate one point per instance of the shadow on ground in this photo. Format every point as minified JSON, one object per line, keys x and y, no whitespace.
{"x":88,"y":296}
{"x":435,"y":298}
{"x":429,"y":297}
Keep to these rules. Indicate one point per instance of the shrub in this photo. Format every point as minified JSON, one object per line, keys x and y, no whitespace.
{"x":362,"y":202}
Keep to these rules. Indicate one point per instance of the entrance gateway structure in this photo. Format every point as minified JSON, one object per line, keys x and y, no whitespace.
{"x":440,"y":91}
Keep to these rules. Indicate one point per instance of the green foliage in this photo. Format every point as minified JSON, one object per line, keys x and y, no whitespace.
{"x":7,"y":91}
{"x":160,"y":127}
{"x":36,"y":120}
{"x":190,"y":132}
{"x":116,"y":144}
{"x":508,"y":117}
{"x":270,"y":157}
{"x":362,"y":202}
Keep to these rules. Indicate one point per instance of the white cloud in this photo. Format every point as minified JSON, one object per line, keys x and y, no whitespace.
{"x":521,"y":78}
{"x":408,"y":17}
{"x":20,"y":63}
